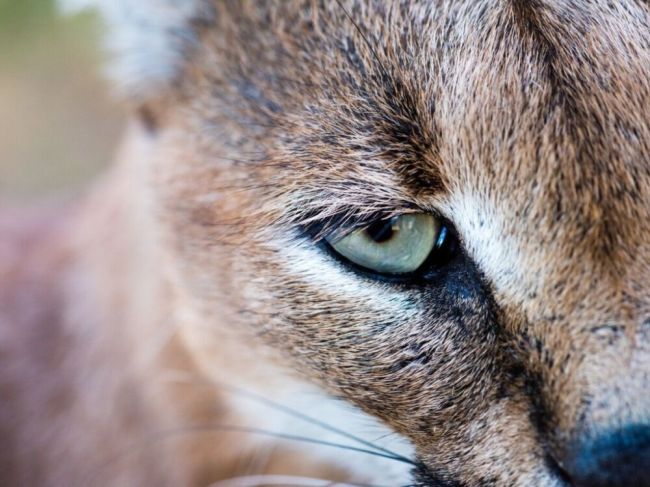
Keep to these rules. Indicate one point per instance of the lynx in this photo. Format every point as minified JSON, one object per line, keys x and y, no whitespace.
{"x":354,"y":242}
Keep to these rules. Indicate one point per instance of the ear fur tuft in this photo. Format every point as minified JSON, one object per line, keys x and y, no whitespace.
{"x":146,"y":39}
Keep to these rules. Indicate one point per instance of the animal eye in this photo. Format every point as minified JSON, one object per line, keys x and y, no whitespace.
{"x":398,"y":245}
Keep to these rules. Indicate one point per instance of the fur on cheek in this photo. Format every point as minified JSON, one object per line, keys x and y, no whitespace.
{"x":146,"y":39}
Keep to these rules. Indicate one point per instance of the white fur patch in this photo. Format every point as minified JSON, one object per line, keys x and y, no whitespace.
{"x":497,"y":253}
{"x":147,"y":40}
{"x":306,"y":261}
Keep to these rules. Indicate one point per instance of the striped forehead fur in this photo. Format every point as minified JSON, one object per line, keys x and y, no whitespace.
{"x":146,"y":39}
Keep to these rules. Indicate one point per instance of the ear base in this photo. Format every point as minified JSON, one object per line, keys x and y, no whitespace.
{"x":147,"y":40}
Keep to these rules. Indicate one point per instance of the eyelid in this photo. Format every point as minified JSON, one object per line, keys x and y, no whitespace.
{"x":338,"y":226}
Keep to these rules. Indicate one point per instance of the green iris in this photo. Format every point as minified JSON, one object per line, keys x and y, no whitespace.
{"x":398,"y":245}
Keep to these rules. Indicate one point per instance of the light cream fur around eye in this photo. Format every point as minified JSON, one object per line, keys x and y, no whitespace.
{"x":413,"y":238}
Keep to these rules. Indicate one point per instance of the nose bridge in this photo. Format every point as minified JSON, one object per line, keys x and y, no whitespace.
{"x":598,"y":378}
{"x":595,"y":293}
{"x":615,"y":378}
{"x":599,"y":399}
{"x":606,"y":440}
{"x":593,"y":351}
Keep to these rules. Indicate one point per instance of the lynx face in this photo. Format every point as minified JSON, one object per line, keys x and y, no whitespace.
{"x":437,"y":210}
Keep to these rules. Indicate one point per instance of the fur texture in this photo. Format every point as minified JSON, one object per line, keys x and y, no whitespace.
{"x":523,"y":360}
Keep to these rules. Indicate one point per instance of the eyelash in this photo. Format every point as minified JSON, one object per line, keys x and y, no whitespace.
{"x":342,"y":223}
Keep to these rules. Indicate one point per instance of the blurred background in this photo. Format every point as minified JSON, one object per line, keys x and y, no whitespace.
{"x":58,"y":123}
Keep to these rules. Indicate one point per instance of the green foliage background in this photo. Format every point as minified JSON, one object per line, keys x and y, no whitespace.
{"x":19,"y":16}
{"x":58,"y":123}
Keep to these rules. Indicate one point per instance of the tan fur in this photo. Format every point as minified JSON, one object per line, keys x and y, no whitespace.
{"x":525,"y":124}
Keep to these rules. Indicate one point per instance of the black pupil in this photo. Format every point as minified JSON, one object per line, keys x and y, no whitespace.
{"x":381,"y":230}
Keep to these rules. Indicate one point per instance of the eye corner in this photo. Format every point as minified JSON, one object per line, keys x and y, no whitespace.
{"x":446,"y":248}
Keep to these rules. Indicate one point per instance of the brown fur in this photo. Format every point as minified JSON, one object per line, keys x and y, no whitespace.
{"x":523,"y":123}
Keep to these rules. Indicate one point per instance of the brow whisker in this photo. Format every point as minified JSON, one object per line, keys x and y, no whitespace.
{"x":364,"y":37}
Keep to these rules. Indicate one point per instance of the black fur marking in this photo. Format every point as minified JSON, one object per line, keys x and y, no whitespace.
{"x":425,"y":477}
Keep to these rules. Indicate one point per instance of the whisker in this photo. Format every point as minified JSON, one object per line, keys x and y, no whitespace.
{"x":384,"y":436}
{"x":309,"y":419}
{"x":228,"y":428}
{"x":288,"y":480}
